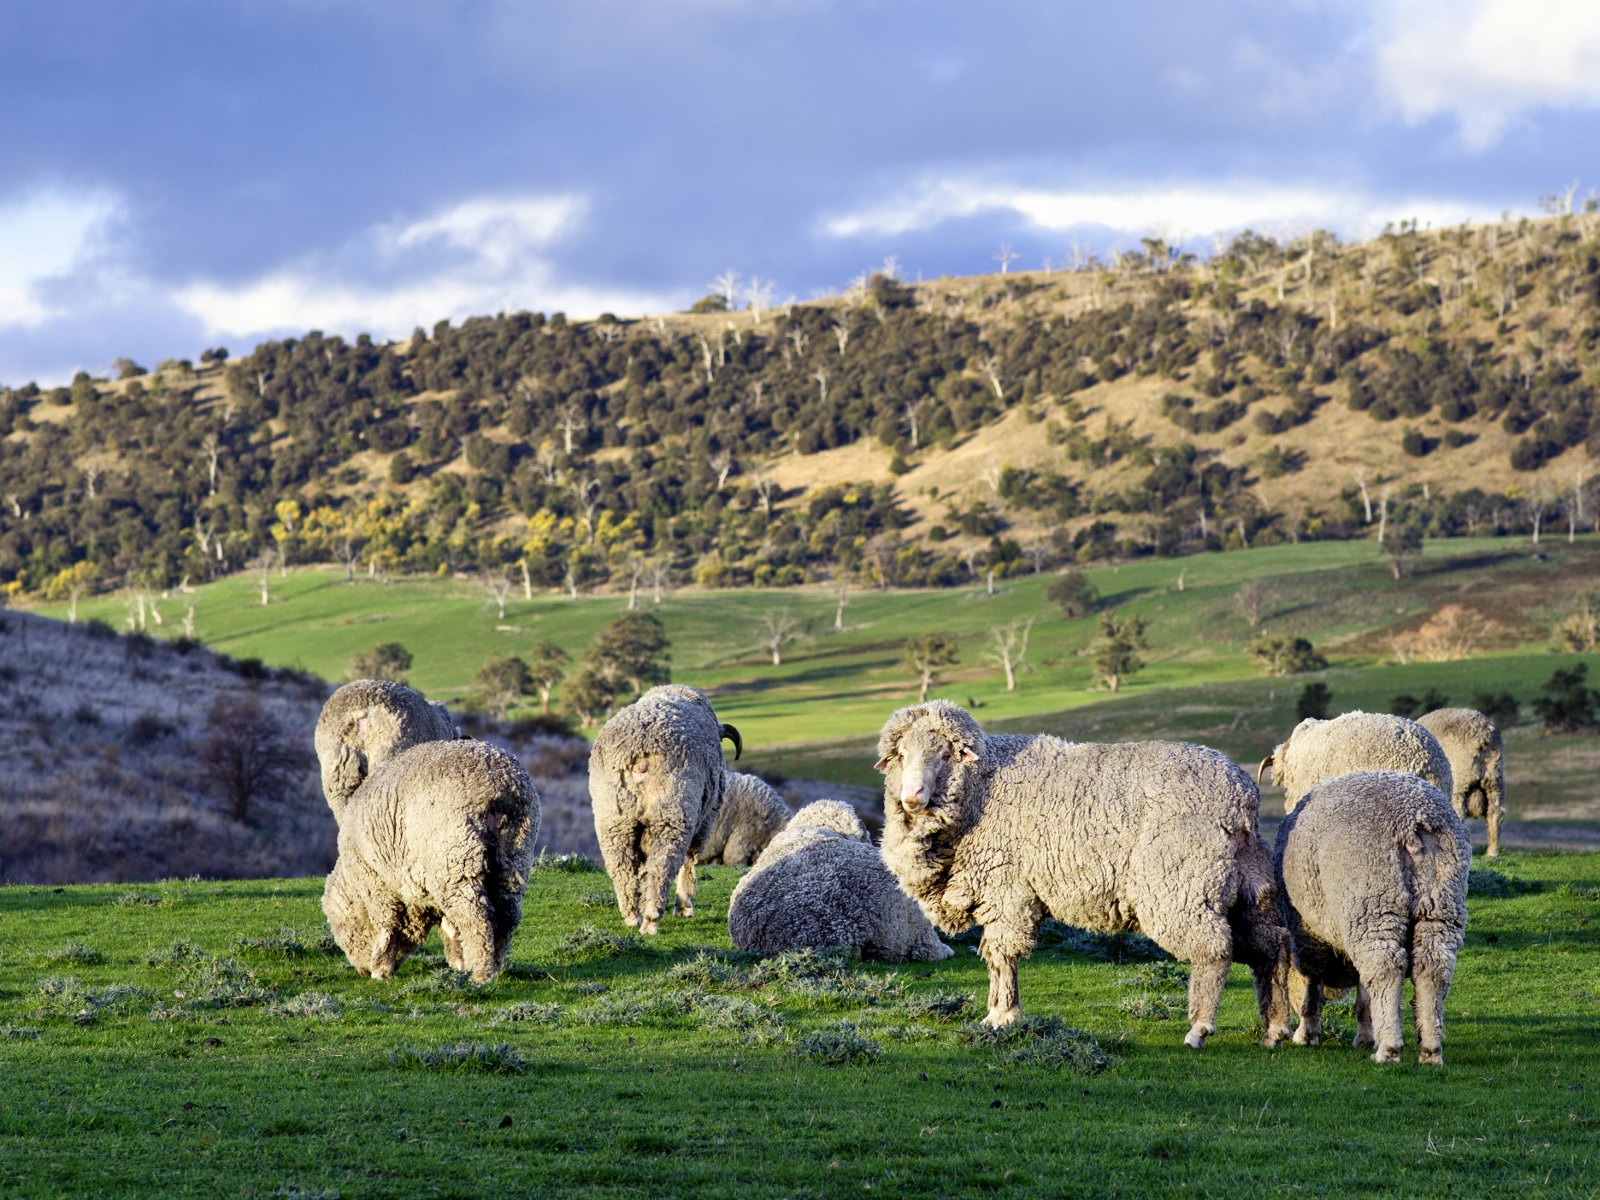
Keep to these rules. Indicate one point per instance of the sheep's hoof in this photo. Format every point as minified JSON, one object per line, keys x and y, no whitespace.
{"x":1002,"y":1016}
{"x":1197,"y":1035}
{"x":1363,"y":1039}
{"x":1492,"y":852}
{"x":1431,"y":1057}
{"x":683,"y":908}
{"x":942,"y":953}
{"x":1275,"y":1036}
{"x":1306,"y":1036}
{"x":1386,"y":1054}
{"x":650,"y":925}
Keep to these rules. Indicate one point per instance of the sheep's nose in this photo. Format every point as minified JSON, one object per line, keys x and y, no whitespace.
{"x":914,"y":801}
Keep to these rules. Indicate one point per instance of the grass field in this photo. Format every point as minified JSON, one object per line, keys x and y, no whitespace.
{"x":200,"y":1039}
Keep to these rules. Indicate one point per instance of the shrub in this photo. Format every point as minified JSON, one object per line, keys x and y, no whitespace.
{"x":1567,"y":706}
{"x":838,"y":1045}
{"x":1406,"y":705}
{"x":1500,"y":707}
{"x":246,"y":757}
{"x":463,"y":1057}
{"x":1283,"y":655}
{"x":1041,"y":1041}
{"x":1314,"y":701}
{"x":1073,"y":593}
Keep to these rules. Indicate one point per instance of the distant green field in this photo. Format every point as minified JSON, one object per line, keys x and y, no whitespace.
{"x":196,"y":1039}
{"x":838,"y":686}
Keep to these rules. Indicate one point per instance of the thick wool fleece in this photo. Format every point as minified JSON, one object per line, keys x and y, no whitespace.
{"x":824,"y":885}
{"x":1472,"y":743}
{"x":441,"y":833}
{"x":656,"y":783}
{"x":366,"y":722}
{"x":752,"y":812}
{"x":1372,"y":883}
{"x":1357,"y":741}
{"x":1158,"y":836}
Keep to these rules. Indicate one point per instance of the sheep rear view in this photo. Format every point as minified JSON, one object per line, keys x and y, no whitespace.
{"x":1476,"y":751}
{"x":1355,"y":741}
{"x":1371,"y":870}
{"x":440,"y":834}
{"x":821,"y":884}
{"x":752,"y":814}
{"x":1156,"y":836}
{"x":656,"y":784}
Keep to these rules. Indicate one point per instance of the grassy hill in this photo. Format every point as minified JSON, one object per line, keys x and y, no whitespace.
{"x":193,"y":1039}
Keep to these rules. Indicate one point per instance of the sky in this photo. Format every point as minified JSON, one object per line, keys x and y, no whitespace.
{"x":177,"y":175}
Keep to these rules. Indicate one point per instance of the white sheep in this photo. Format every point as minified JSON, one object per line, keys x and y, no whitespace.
{"x":656,"y":783}
{"x":366,"y":722}
{"x":1371,"y":870}
{"x":1472,"y":743}
{"x":440,"y":833}
{"x":820,"y":883}
{"x":1156,"y":836}
{"x":752,"y":813}
{"x":1356,"y":741}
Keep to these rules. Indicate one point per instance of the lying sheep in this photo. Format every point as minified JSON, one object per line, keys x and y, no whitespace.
{"x":820,"y":883}
{"x":656,"y":782}
{"x":1357,"y":741}
{"x":440,"y":833}
{"x":367,"y":721}
{"x":1472,"y":743}
{"x":1371,"y":870}
{"x":752,"y":813}
{"x":1157,"y":836}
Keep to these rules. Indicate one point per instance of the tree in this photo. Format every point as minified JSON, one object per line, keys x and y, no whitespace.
{"x":1407,"y":705}
{"x":589,"y":695}
{"x":501,"y":682}
{"x":1074,"y":593}
{"x":1500,"y":707}
{"x":72,"y":583}
{"x":633,"y":648}
{"x":1249,"y":600}
{"x":546,"y":669}
{"x":1116,"y":652}
{"x":925,"y":653}
{"x":1403,"y":546}
{"x":387,"y":660}
{"x":1580,"y":629}
{"x":1454,"y":632}
{"x":1283,"y":655}
{"x":782,"y":627}
{"x":246,"y":756}
{"x":1009,"y":649}
{"x":1567,"y":706}
{"x":497,"y":585}
{"x":1314,"y":701}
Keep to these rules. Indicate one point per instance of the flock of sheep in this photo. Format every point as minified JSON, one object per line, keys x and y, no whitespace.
{"x":1365,"y":885}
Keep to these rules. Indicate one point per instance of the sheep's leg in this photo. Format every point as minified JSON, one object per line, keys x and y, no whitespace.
{"x":451,"y":937}
{"x":1363,"y":1009}
{"x":619,"y":849}
{"x":470,"y":916}
{"x":664,"y":855}
{"x":1272,"y":998}
{"x":1309,"y":1031}
{"x":1433,"y":964}
{"x":683,"y":906}
{"x":1000,"y":946}
{"x":1494,"y":811}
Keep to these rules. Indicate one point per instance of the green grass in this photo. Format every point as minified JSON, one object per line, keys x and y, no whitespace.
{"x":209,"y":1043}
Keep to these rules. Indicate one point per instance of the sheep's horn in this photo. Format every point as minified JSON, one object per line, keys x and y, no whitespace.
{"x":1262,"y":769}
{"x":732,"y":734}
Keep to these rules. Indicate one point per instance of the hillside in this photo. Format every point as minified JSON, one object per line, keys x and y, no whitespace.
{"x":911,"y":434}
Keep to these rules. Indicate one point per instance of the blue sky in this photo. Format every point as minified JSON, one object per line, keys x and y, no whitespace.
{"x":178,"y":174}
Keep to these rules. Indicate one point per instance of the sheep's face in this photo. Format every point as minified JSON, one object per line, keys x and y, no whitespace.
{"x":373,"y":951}
{"x":917,"y":770}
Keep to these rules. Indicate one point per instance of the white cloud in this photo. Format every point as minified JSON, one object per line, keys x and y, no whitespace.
{"x":1486,"y":62}
{"x":1180,"y":210}
{"x":481,"y":256}
{"x":44,"y":235}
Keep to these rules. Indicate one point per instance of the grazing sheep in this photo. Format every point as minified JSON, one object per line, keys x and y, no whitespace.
{"x":1157,"y":836}
{"x":367,"y":721}
{"x":752,"y":812}
{"x":440,"y":833}
{"x":656,"y":781}
{"x":1473,"y":745}
{"x":1357,"y":741}
{"x":820,"y":883}
{"x":1371,"y":870}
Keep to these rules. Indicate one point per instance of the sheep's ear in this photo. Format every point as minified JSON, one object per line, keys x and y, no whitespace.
{"x":1262,"y":769}
{"x":966,"y":754}
{"x":883,"y":763}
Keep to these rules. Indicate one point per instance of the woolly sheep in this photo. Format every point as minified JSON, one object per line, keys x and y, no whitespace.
{"x":1357,"y":741}
{"x":1371,"y":869}
{"x":1473,"y":745}
{"x":440,"y":833}
{"x":366,"y":722}
{"x":1157,"y":836}
{"x":752,"y":813}
{"x":656,"y":783}
{"x":821,"y":883}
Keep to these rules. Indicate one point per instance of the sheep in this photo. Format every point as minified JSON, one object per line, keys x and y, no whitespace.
{"x":1371,"y":871}
{"x":366,"y":722}
{"x":752,"y":813}
{"x":656,"y":783}
{"x":1157,"y":836}
{"x":1472,"y":743}
{"x":440,"y":833}
{"x":1357,"y":741}
{"x":820,"y":883}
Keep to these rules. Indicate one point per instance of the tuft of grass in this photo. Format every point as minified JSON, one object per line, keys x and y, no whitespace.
{"x":288,"y":943}
{"x":1495,"y":886}
{"x":588,"y":942}
{"x":1151,"y":1006}
{"x":735,"y":1014}
{"x":64,"y":997}
{"x":824,"y":979}
{"x":1581,"y":891}
{"x":460,"y":1057}
{"x":321,"y":1006}
{"x":708,"y":968}
{"x":531,"y":1011}
{"x":631,"y":1008}
{"x":597,"y":900}
{"x":77,"y":954}
{"x":941,"y":1006}
{"x":137,"y":900}
{"x":838,"y":1045}
{"x":567,"y":864}
{"x":441,"y":981}
{"x":1041,"y":1041}
{"x":177,"y":954}
{"x":18,"y":1033}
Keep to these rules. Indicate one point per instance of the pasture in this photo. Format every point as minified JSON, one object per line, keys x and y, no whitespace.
{"x":192,"y":1038}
